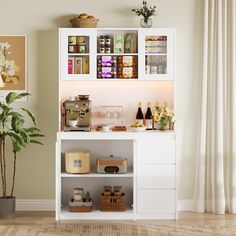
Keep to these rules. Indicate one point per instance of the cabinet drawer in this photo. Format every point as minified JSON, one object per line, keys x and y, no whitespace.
{"x":156,"y":201}
{"x":156,"y":151}
{"x":156,"y":176}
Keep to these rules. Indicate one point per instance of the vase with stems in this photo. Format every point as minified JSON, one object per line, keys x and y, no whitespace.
{"x":146,"y":12}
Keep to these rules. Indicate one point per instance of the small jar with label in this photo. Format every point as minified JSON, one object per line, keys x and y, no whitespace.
{"x":108,"y":41}
{"x":107,"y":50}
{"x":72,"y":48}
{"x":153,"y":69}
{"x":78,"y":192}
{"x":161,"y":69}
{"x":102,"y":50}
{"x":102,"y":41}
{"x":147,"y":69}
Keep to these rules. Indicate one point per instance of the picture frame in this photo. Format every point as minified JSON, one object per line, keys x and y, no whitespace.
{"x":13,"y":65}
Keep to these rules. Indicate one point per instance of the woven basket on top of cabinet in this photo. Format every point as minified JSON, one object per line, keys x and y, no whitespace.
{"x":84,"y":23}
{"x":112,"y":203}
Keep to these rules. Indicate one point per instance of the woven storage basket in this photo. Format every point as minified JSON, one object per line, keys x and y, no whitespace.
{"x":84,"y":23}
{"x":80,"y":208}
{"x":112,"y":203}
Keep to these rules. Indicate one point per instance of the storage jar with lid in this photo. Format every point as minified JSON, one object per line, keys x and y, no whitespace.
{"x":77,"y":162}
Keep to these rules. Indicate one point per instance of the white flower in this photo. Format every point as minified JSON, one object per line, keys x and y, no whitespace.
{"x":10,"y":64}
{"x":5,"y":45}
{"x":11,"y":72}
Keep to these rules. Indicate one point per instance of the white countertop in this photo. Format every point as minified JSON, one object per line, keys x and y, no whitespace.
{"x":123,"y":135}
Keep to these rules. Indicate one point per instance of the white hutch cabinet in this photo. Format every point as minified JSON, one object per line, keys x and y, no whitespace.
{"x":150,"y":185}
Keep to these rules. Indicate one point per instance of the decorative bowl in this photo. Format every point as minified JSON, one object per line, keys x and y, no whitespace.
{"x":137,"y":129}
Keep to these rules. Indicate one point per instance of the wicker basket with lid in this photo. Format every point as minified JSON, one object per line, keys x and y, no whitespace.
{"x":84,"y":22}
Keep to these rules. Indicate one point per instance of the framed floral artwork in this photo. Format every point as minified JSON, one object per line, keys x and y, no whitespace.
{"x":13,"y":56}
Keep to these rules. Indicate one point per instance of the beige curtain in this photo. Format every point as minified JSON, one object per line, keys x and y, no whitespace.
{"x":215,"y":188}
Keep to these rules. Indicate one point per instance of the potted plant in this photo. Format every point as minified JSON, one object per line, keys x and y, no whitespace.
{"x":146,"y":12}
{"x":13,"y":130}
{"x":165,"y":117}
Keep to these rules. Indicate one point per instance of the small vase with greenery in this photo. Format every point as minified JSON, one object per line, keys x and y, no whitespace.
{"x":13,"y":130}
{"x":146,"y":12}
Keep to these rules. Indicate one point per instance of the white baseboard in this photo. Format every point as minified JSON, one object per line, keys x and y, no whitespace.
{"x":35,"y":205}
{"x":49,"y":205}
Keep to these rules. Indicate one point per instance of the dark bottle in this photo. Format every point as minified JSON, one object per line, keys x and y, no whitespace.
{"x":139,"y":115}
{"x":148,"y":117}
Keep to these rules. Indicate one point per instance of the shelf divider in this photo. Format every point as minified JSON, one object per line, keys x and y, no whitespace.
{"x":97,"y":175}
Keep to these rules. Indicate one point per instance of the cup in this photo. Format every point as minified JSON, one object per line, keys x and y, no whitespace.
{"x":106,"y":128}
{"x":72,"y":123}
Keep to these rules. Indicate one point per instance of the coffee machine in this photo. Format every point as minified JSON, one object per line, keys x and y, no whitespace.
{"x":78,"y":114}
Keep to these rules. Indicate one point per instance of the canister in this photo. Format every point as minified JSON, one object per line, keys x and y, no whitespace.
{"x":78,"y":192}
{"x":77,"y":162}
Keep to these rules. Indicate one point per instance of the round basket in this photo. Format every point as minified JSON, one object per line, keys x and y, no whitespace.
{"x":84,"y":23}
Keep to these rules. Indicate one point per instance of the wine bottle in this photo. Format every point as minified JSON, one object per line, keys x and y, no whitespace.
{"x":156,"y":114}
{"x":139,"y":115}
{"x":148,"y":117}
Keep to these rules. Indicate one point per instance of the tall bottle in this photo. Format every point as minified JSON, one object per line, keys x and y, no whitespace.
{"x":139,"y":115}
{"x":148,"y":117}
{"x":156,"y":116}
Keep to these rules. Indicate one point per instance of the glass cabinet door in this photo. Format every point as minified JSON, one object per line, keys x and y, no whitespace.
{"x":76,"y":47}
{"x":117,"y":54}
{"x":156,"y":62}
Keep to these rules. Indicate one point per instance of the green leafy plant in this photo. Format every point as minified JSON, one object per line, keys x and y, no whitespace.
{"x":14,"y":130}
{"x":145,"y":11}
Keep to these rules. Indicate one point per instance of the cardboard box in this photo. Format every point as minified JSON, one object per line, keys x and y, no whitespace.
{"x":118,"y":43}
{"x":85,"y":65}
{"x":78,"y":68}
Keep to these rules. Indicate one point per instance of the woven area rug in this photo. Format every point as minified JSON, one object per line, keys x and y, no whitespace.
{"x":115,"y":230}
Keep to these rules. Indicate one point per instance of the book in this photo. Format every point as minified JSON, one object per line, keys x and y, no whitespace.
{"x":78,"y":67}
{"x":118,"y":43}
{"x":70,"y":65}
{"x":85,"y":65}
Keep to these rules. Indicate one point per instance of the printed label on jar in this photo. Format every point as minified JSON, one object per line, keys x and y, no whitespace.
{"x":77,"y":163}
{"x":77,"y":197}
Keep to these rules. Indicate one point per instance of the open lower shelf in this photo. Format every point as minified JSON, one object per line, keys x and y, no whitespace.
{"x":96,"y":214}
{"x":97,"y":175}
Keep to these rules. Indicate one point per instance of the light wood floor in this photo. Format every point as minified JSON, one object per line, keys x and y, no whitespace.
{"x":185,"y":218}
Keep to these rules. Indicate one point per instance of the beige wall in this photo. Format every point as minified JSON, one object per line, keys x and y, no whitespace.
{"x":39,"y":20}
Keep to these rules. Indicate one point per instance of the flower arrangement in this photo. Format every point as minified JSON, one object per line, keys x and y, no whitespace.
{"x":164,"y":116}
{"x":145,"y":11}
{"x":8,"y":68}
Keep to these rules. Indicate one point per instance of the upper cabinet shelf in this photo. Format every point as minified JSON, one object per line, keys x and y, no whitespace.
{"x":124,"y":54}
